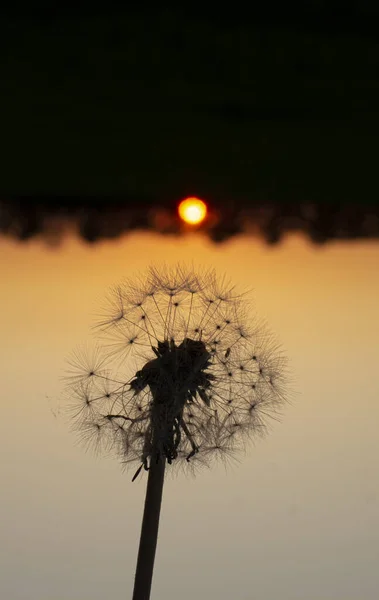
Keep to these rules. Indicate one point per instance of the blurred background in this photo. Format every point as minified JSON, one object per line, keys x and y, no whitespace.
{"x":110,"y":117}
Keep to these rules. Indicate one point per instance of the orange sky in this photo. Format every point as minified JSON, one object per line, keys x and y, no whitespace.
{"x":298,"y":517}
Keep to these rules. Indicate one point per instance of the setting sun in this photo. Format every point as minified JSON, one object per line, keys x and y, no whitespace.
{"x":192,"y":210}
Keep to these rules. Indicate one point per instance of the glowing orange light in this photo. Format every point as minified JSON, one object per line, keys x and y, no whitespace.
{"x":192,"y":210}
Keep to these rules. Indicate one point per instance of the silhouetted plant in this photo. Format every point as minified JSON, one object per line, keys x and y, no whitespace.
{"x":183,"y":374}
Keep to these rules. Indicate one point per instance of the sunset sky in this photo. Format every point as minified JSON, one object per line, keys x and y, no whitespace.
{"x":297,"y":519}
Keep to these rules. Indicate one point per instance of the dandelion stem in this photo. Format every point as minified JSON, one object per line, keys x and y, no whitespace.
{"x":149,"y":530}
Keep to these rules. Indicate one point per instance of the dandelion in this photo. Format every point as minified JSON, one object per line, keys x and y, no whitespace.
{"x":182,"y":375}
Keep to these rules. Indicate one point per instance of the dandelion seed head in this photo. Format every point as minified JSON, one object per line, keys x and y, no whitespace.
{"x":182,"y":369}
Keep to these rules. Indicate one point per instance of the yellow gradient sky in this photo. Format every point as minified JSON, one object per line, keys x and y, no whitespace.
{"x":298,"y":518}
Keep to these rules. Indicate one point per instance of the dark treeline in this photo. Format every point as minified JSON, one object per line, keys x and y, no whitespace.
{"x":273,"y":101}
{"x":94,"y":219}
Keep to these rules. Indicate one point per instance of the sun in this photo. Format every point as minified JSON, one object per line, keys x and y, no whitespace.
{"x":192,"y":210}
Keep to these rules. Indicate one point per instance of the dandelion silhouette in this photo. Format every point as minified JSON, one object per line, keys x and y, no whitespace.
{"x":183,"y":375}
